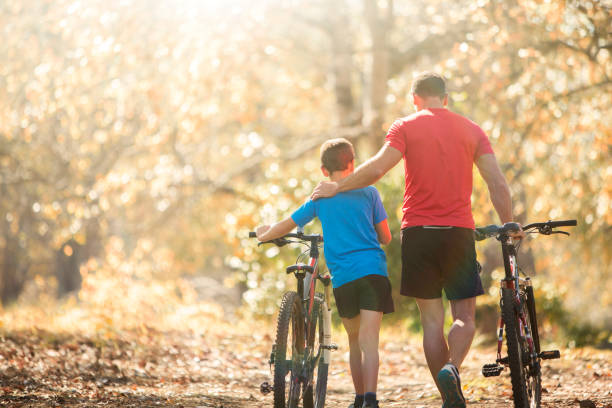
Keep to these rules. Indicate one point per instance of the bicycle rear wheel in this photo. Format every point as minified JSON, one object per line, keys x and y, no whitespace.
{"x":534,"y":373}
{"x":289,"y":351}
{"x":533,"y":321}
{"x":524,"y":374}
{"x":314,"y":395}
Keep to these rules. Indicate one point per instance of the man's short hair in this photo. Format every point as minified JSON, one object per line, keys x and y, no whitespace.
{"x":336,"y":154}
{"x":429,"y":84}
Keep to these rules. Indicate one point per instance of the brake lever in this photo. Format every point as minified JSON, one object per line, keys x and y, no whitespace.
{"x":280,"y":242}
{"x":560,"y":232}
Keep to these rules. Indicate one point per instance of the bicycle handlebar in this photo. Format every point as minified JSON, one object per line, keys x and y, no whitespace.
{"x":551,"y":224}
{"x":313,"y":238}
{"x":545,"y":228}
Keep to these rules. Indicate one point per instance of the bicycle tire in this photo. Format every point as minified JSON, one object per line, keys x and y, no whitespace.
{"x":532,"y":318}
{"x":290,"y":322}
{"x":315,"y":398}
{"x":534,"y":373}
{"x":515,"y":353}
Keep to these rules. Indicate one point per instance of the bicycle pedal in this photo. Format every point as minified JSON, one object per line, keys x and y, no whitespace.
{"x":332,"y":347}
{"x":265,"y":388}
{"x":549,"y":355}
{"x":492,"y":370}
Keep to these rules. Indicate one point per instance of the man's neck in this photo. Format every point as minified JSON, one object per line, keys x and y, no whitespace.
{"x":431,"y":103}
{"x":340,"y":174}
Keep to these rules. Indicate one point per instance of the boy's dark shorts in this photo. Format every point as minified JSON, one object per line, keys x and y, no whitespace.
{"x":372,"y":292}
{"x":439,"y":258}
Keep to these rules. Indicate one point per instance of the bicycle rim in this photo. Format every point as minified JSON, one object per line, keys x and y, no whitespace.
{"x":515,"y":352}
{"x":289,"y":352}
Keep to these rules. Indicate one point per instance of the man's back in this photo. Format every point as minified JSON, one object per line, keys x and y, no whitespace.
{"x":439,"y":148}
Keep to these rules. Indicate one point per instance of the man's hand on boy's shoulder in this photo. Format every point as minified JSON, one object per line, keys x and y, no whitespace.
{"x":324,"y":189}
{"x":261,"y":230}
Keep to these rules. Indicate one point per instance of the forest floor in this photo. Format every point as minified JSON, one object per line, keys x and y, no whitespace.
{"x":223,"y":365}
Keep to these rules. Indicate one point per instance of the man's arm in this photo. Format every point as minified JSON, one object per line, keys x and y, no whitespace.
{"x":267,"y":232}
{"x":499,"y":191}
{"x":366,"y":174}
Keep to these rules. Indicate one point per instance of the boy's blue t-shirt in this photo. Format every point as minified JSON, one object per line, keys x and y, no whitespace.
{"x":350,"y":241}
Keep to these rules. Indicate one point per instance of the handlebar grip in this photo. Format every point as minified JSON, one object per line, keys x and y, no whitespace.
{"x":252,"y":234}
{"x":564,"y":223}
{"x":485,"y":232}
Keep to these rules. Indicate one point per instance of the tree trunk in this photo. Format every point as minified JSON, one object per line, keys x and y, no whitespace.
{"x":71,"y":255}
{"x":379,"y":22}
{"x":67,"y":263}
{"x":12,"y":275}
{"x":342,"y":63}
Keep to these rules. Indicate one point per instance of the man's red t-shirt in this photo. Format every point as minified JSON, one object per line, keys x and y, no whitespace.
{"x":439,"y":149}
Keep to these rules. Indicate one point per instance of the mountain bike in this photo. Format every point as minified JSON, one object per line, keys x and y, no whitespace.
{"x":301,"y":352}
{"x":518,"y":316}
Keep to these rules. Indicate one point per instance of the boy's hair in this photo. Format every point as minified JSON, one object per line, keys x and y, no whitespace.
{"x":429,"y":84}
{"x":336,"y":154}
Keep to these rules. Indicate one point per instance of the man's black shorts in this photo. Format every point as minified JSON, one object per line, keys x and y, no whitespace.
{"x":436,"y":258}
{"x":372,"y":292}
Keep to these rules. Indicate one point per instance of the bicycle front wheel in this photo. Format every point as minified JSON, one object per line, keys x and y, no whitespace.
{"x":289,"y":351}
{"x":316,"y":390}
{"x":525,"y":377}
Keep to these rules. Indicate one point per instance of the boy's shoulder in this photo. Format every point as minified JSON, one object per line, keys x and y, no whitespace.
{"x":365,"y":193}
{"x":370,"y":190}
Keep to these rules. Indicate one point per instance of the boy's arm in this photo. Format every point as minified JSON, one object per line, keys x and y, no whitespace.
{"x":383,"y":232}
{"x":267,"y":232}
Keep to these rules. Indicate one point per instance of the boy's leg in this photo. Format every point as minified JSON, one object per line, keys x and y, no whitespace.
{"x":434,"y":342}
{"x":368,"y":341}
{"x":462,"y":331}
{"x":355,"y":360}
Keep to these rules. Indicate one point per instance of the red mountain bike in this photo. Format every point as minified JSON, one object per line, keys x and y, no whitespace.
{"x":518,"y":316}
{"x":301,"y":351}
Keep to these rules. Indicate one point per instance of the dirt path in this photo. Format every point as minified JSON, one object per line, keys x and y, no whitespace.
{"x":223,"y":368}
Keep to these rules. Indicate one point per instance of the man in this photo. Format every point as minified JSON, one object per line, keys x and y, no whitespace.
{"x":439,"y":148}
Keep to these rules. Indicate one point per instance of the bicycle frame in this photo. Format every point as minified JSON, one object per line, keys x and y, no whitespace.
{"x":513,"y":281}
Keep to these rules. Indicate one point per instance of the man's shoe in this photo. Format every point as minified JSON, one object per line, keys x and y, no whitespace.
{"x":450,"y":385}
{"x":370,"y":404}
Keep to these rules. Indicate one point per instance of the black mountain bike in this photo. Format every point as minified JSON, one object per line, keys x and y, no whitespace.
{"x":518,"y":316}
{"x":301,"y":351}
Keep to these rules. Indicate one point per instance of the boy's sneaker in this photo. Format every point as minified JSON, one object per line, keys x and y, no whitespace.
{"x":450,"y":384}
{"x":370,"y":404}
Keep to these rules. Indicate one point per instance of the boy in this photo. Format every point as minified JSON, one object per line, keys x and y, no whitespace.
{"x":354,"y":223}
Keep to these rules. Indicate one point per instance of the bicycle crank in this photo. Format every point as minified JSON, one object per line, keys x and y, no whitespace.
{"x":492,"y":370}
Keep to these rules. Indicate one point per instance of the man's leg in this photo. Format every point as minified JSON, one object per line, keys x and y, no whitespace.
{"x":434,"y":342}
{"x":355,"y":360}
{"x":368,"y":341}
{"x":462,"y":331}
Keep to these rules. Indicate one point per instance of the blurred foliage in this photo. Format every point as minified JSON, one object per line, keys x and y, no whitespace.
{"x":179,"y":126}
